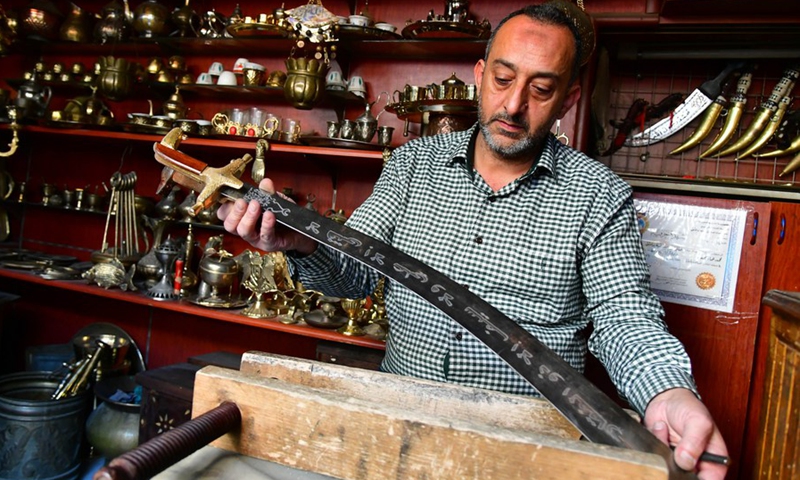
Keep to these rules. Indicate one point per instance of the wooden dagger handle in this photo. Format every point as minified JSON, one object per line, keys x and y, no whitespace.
{"x":162,"y":451}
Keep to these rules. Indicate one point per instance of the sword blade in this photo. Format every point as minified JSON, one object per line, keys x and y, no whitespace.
{"x":695,"y":104}
{"x":593,"y":413}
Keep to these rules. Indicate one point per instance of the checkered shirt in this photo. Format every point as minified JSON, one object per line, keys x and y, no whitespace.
{"x":557,"y":250}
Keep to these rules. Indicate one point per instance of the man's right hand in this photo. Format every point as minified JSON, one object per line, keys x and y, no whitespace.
{"x":242,"y":219}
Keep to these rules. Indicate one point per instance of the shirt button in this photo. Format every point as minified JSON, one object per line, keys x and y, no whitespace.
{"x":459,"y":336}
{"x":478,"y":239}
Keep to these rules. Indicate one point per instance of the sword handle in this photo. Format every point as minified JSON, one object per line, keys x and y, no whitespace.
{"x":712,"y":88}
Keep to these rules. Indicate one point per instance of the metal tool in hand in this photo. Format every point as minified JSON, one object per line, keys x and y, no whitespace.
{"x":595,"y":415}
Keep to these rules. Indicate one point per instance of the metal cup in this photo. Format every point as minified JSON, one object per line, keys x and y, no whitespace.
{"x":347,"y":129}
{"x":385,"y":135}
{"x":333,"y":129}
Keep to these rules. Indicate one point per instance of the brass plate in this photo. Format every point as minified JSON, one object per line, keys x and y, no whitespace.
{"x":413,"y":111}
{"x":356,"y":32}
{"x":102,"y":328}
{"x":255,"y":30}
{"x":150,"y":129}
{"x":313,"y":141}
{"x":440,"y":29}
{"x":318,"y":319}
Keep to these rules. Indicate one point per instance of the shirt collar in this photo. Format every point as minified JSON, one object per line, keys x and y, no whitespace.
{"x":463,"y":151}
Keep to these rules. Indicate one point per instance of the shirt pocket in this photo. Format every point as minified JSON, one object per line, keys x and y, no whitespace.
{"x":547,"y":281}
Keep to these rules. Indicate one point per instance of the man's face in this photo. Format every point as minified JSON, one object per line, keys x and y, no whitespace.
{"x":524,"y":86}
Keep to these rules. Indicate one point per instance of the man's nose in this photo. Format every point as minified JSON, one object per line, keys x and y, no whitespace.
{"x":517,"y":101}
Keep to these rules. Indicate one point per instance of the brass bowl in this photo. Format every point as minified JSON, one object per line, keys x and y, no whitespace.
{"x":112,"y":358}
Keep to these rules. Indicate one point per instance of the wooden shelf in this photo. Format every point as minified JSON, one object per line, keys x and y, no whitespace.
{"x":182,"y":306}
{"x":247,"y":144}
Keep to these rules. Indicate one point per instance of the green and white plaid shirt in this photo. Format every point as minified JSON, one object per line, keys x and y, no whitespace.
{"x":555,"y":250}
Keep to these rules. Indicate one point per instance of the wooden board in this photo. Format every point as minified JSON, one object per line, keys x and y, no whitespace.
{"x":369,"y":433}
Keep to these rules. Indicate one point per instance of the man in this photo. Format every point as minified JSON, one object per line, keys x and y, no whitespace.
{"x":543,"y":233}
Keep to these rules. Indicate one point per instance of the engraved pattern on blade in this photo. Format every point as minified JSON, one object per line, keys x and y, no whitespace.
{"x":594,"y":414}
{"x":693,"y":106}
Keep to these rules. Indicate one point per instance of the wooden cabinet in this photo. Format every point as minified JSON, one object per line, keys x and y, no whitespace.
{"x":646,"y":48}
{"x":778,"y":450}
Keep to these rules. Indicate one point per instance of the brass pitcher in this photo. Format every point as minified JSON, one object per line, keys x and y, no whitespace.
{"x":115,"y":79}
{"x":77,"y":27}
{"x":114,"y":25}
{"x":151,"y":19}
{"x":305,"y":81}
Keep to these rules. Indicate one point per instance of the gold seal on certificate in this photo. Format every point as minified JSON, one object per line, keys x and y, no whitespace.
{"x":706,"y":281}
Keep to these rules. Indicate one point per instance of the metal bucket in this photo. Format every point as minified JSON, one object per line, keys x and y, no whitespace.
{"x":40,"y":438}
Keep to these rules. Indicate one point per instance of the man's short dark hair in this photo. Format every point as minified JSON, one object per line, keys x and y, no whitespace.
{"x":548,"y":14}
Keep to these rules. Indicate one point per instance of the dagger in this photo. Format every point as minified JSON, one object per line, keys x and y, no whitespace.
{"x":769,"y":130}
{"x":694,"y":105}
{"x":598,"y":417}
{"x":791,"y":166}
{"x":708,"y":120}
{"x":735,"y":112}
{"x":765,"y":112}
{"x":638,"y":113}
{"x":793,"y":147}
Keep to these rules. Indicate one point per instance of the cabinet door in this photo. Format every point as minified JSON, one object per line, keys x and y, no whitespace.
{"x":781,"y":273}
{"x":722,"y":345}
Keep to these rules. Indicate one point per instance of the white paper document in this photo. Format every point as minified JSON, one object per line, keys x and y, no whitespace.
{"x":693,"y":252}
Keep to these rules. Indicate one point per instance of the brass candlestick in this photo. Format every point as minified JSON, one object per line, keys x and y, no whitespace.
{"x":353,"y":308}
{"x":260,"y":279}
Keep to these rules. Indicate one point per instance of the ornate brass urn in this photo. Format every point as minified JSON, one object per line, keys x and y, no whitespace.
{"x":305,"y":81}
{"x":115,"y":77}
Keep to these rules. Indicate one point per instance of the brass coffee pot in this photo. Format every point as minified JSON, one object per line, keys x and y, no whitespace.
{"x":174,"y":107}
{"x":114,"y":25}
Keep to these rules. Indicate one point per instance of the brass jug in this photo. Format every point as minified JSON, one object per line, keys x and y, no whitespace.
{"x":186,"y":20}
{"x":151,"y":19}
{"x":114,"y":25}
{"x":77,"y":27}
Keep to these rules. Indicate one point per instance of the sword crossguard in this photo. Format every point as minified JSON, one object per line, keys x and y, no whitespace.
{"x":182,"y":169}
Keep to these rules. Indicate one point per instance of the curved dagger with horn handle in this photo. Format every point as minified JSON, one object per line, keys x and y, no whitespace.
{"x":735,"y":112}
{"x":708,"y":120}
{"x":793,"y":147}
{"x":769,"y":130}
{"x":598,"y":417}
{"x":765,"y":112}
{"x":691,"y":108}
{"x":791,"y":166}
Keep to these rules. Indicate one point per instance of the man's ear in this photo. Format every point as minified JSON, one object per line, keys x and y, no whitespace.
{"x":480,"y":66}
{"x":573,"y":95}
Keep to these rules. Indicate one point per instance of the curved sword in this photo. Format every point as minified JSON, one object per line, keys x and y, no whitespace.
{"x":599,"y":418}
{"x":694,"y":105}
{"x":769,"y":130}
{"x":709,"y":119}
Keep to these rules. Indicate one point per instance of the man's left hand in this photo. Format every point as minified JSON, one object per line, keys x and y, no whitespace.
{"x":678,"y":418}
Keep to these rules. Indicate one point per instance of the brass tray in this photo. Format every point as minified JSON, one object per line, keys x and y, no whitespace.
{"x":424,"y":29}
{"x":413,"y":111}
{"x":356,"y":32}
{"x":149,"y":129}
{"x":256,"y":30}
{"x":314,"y":141}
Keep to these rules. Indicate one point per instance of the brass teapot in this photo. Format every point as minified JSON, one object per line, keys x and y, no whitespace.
{"x":174,"y":107}
{"x":32,"y":99}
{"x":151,"y":19}
{"x":114,"y":24}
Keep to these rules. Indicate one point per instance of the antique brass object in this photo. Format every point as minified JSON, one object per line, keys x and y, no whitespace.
{"x":115,"y":79}
{"x":77,"y":27}
{"x":13,"y":113}
{"x":150,"y":19}
{"x":174,"y":107}
{"x":259,"y":278}
{"x":218,"y":271}
{"x":791,"y":166}
{"x":703,"y":129}
{"x":353,"y":307}
{"x":258,"y":170}
{"x":166,"y":254}
{"x":113,"y":26}
{"x":794,"y":146}
{"x":305,"y":81}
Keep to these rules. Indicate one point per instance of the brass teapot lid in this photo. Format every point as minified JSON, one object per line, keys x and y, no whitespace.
{"x":453,"y":81}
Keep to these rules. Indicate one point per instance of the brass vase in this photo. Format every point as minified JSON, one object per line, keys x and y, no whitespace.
{"x":113,"y":26}
{"x":77,"y":27}
{"x":305,"y":81}
{"x":115,"y":79}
